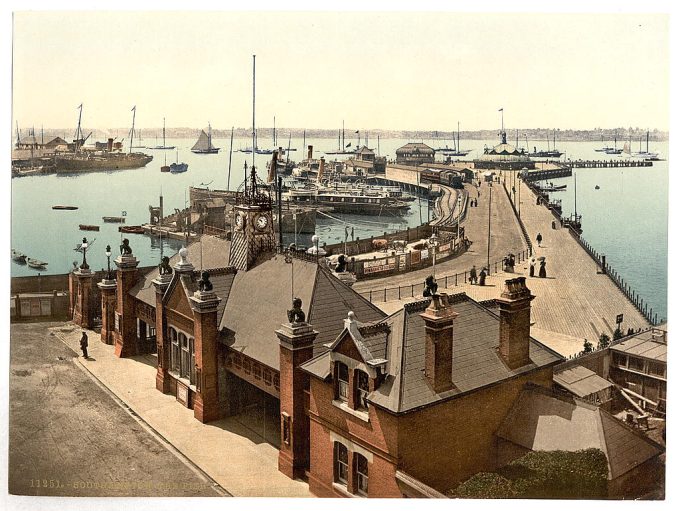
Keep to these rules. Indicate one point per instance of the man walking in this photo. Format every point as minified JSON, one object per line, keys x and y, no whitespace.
{"x":473,"y":275}
{"x":83,"y":344}
{"x":539,"y":238}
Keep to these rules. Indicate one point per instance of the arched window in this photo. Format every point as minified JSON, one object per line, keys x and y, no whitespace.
{"x":343,"y":381}
{"x":362,"y":390}
{"x":185,"y":359}
{"x":341,"y":463}
{"x":361,"y":474}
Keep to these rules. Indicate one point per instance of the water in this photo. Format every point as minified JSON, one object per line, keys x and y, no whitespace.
{"x":626,"y":219}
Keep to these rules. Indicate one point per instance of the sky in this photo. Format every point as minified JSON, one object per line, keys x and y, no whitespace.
{"x":374,"y":70}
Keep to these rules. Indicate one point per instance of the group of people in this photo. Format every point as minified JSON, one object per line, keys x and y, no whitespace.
{"x":541,"y":268}
{"x":473,"y":203}
{"x":474,"y":280}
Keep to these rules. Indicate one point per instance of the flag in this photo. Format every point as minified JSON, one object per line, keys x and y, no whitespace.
{"x":357,"y":131}
{"x":133,"y":108}
{"x":348,"y":145}
{"x":79,"y":106}
{"x":500,"y":109}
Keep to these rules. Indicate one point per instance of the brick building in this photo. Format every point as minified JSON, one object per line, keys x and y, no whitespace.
{"x":359,"y":403}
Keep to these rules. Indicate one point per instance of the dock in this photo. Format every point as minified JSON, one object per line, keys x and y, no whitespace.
{"x":595,"y":164}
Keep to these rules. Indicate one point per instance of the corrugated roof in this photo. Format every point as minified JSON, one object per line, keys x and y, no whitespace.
{"x":411,"y":146}
{"x":581,"y":381}
{"x":542,"y":421}
{"x":643,"y":345}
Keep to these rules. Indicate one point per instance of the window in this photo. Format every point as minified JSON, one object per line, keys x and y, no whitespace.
{"x":619,"y":359}
{"x":361,"y":466}
{"x":636,"y":364}
{"x":362,"y":389}
{"x":185,"y":359}
{"x":657,"y":369}
{"x":174,"y":351}
{"x":192,"y":362}
{"x":343,"y":381}
{"x":341,"y":463}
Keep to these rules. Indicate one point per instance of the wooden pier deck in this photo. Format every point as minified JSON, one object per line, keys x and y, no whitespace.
{"x":574,"y":303}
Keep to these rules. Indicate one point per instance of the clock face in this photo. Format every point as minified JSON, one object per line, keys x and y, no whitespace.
{"x":262,"y":222}
{"x":238,"y":221}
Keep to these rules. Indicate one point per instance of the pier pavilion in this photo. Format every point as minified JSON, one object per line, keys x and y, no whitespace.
{"x":504,"y":156}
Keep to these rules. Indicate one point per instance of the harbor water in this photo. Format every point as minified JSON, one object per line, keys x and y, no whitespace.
{"x":626,"y":218}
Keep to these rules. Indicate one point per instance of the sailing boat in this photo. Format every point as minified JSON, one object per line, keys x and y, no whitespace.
{"x":646,"y":155}
{"x":176,"y":168}
{"x":457,"y":151}
{"x":550,"y":153}
{"x":204,"y":143}
{"x":613,"y":150}
{"x":139,"y":141}
{"x":165,"y":167}
{"x":602,"y":149}
{"x":342,"y":147}
{"x":163,"y":146}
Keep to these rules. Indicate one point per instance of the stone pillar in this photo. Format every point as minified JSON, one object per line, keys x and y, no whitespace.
{"x":439,"y":317}
{"x":108,"y":291}
{"x":515,"y":324}
{"x":206,"y":401}
{"x":161,"y":284}
{"x":82,"y":301}
{"x":296,"y":342}
{"x":125,"y":336}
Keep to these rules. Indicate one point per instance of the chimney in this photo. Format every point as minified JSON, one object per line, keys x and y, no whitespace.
{"x":309,"y":151}
{"x":439,"y":318}
{"x":322,"y":167}
{"x":515,"y":312}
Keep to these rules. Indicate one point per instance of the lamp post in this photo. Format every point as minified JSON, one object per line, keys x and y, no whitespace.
{"x":108,"y":262}
{"x":488,"y":242}
{"x":460,"y":212}
{"x":315,"y":240}
{"x":84,"y":266}
{"x":433,"y":242}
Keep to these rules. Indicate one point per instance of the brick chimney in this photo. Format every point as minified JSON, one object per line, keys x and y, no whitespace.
{"x":515,"y":312}
{"x":439,"y":318}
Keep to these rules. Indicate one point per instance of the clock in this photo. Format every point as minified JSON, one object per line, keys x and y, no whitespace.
{"x":238,"y":221}
{"x":261,"y":222}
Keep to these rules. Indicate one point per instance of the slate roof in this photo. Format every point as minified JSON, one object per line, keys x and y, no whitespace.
{"x":645,"y":344}
{"x":581,"y":381}
{"x":476,"y":362}
{"x":542,"y":421}
{"x":260,"y":298}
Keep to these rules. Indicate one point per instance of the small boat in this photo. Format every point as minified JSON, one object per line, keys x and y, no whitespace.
{"x":204,"y":143}
{"x":18,"y":257}
{"x":114,"y":219}
{"x":597,"y":187}
{"x":68,"y":208}
{"x":165,"y":168}
{"x":131,"y":229}
{"x":176,"y":168}
{"x":36,"y":263}
{"x":87,"y":227}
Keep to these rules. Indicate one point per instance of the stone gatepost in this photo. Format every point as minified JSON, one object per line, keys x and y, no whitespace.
{"x":161,"y":284}
{"x":82,"y":279}
{"x":206,"y":402}
{"x":108,"y":291}
{"x":125,"y":333}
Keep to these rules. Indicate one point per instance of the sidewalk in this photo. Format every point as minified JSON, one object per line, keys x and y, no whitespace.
{"x":239,"y":461}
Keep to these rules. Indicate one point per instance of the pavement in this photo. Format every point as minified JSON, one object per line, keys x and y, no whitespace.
{"x":237,"y":459}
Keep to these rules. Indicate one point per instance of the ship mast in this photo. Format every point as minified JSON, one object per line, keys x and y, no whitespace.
{"x":132,"y":131}
{"x":254,"y":145}
{"x":79,"y":133}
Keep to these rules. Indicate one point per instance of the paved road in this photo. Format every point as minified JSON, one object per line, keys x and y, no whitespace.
{"x":506,"y":237}
{"x":68,"y":437}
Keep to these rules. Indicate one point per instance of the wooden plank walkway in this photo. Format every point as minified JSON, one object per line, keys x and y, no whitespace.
{"x":574,"y":303}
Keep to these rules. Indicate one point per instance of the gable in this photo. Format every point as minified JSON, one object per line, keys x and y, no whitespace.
{"x":347,"y":348}
{"x":177,"y":301}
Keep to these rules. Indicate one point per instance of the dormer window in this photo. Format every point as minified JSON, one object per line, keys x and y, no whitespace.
{"x":362,"y":390}
{"x":343,"y":382}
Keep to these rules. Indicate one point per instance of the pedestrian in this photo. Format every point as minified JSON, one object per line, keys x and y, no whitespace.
{"x":482,"y":277}
{"x":473,"y":274}
{"x":539,"y":238}
{"x":83,"y":344}
{"x":541,"y":270}
{"x":532,"y":264}
{"x":553,"y":224}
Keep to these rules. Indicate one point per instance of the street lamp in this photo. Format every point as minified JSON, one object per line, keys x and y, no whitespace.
{"x":488,"y":241}
{"x":108,"y":262}
{"x":460,"y":212}
{"x":433,"y":242}
{"x":84,"y":266}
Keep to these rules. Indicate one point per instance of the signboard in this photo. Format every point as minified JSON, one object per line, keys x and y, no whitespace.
{"x":415,"y":257}
{"x":424,"y":254}
{"x":402,"y":262}
{"x":380,"y":265}
{"x":619,"y":319}
{"x":182,"y":394}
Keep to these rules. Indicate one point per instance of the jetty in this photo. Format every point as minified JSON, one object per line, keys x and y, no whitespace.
{"x":593,"y":164}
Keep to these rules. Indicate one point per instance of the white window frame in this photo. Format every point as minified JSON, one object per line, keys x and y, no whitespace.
{"x":343,"y":385}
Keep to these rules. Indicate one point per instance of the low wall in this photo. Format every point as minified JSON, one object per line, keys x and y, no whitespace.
{"x":361,"y":246}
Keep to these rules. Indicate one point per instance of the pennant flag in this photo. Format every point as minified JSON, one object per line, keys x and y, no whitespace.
{"x":357,"y":131}
{"x":500,"y":109}
{"x":79,"y":106}
{"x":349,"y":145}
{"x":133,"y":108}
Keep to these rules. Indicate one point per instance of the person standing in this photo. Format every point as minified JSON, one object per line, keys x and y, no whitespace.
{"x":539,"y":238}
{"x":532,"y":268}
{"x":541,"y":270}
{"x":482,"y":277}
{"x":473,"y":274}
{"x":83,"y":344}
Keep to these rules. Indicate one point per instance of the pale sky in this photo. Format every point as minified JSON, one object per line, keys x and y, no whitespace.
{"x":397,"y":70}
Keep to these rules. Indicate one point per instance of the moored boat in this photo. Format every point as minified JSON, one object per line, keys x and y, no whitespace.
{"x":36,"y":263}
{"x":114,"y":219}
{"x":177,"y":168}
{"x":131,"y":229}
{"x":88,"y":227}
{"x":67,"y":208}
{"x":204,"y":143}
{"x":18,"y":256}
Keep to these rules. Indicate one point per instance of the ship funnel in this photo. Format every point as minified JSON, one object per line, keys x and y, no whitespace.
{"x":109,"y":144}
{"x":309,"y":152}
{"x":322,"y":166}
{"x":271,"y":177}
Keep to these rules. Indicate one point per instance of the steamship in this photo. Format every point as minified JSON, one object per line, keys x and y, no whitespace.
{"x":106,"y":156}
{"x":361,"y":201}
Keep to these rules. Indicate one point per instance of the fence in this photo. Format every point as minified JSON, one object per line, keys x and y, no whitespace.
{"x":445,"y":281}
{"x":525,"y":234}
{"x":634,"y":297}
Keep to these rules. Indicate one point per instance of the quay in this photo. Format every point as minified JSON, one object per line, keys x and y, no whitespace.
{"x":628,"y":162}
{"x":576,"y":302}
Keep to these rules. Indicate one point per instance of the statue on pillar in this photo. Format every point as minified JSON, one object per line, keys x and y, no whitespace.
{"x":296,"y":314}
{"x":204,"y":285}
{"x":125,"y":249}
{"x":430,"y":286}
{"x":164,"y":268}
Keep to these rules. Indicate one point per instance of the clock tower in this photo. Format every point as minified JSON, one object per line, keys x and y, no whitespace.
{"x":252,"y":223}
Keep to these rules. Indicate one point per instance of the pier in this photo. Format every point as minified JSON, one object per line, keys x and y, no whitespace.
{"x":594,"y":164}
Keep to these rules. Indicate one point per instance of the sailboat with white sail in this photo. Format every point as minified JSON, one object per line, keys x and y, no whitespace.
{"x":204,"y":143}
